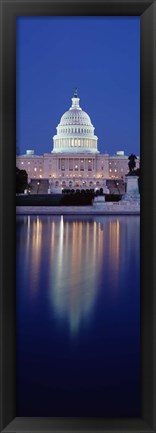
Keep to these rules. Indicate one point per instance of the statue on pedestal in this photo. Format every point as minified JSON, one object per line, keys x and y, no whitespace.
{"x":132,"y":181}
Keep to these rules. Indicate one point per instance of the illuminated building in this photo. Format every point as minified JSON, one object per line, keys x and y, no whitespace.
{"x":74,"y":161}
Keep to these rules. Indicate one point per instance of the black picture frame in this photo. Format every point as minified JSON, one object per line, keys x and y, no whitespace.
{"x":147,"y":12}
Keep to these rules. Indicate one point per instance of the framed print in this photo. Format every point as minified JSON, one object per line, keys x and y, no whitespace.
{"x":20,"y":388}
{"x":74,"y":263}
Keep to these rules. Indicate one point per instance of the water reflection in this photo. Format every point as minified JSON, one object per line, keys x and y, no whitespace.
{"x":78,"y":316}
{"x":73,"y":254}
{"x":75,"y":260}
{"x":36,"y":248}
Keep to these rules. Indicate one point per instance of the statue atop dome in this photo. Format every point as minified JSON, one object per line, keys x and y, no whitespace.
{"x":75,"y":93}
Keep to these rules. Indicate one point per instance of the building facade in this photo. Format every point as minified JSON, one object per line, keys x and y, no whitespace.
{"x":75,"y":161}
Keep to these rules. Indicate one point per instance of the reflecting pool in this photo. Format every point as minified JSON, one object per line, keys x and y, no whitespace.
{"x":78,"y":316}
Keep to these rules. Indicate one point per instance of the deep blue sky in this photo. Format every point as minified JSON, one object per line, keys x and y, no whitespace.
{"x":98,"y":55}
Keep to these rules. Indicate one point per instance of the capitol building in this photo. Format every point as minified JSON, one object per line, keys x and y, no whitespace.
{"x":75,"y":161}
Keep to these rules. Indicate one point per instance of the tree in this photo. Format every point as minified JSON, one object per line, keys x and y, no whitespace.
{"x":21,"y":180}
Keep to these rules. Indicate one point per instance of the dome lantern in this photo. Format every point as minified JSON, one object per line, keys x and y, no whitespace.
{"x":75,"y":101}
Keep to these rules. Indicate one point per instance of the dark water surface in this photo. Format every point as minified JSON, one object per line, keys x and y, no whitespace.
{"x":78,"y":316}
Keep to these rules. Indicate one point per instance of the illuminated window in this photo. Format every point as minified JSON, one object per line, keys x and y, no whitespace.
{"x":62,"y":164}
{"x":110,"y":169}
{"x":35,"y":169}
{"x":22,"y":162}
{"x":28,"y":162}
{"x":82,"y":165}
{"x":89,"y":165}
{"x":115,"y":170}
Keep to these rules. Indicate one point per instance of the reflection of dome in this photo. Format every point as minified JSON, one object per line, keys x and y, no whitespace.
{"x":75,"y":132}
{"x":74,"y":271}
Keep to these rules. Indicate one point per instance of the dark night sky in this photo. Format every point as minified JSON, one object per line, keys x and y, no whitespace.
{"x":98,"y":55}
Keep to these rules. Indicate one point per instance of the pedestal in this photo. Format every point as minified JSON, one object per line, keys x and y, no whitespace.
{"x":99,"y":201}
{"x":132,"y":189}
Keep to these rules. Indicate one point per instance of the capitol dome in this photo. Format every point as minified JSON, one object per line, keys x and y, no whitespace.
{"x":75,"y":132}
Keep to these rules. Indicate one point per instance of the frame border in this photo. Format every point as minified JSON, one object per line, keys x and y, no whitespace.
{"x":146,"y":9}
